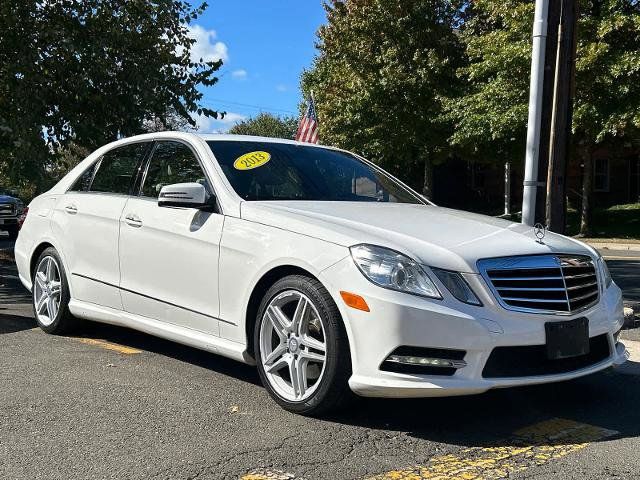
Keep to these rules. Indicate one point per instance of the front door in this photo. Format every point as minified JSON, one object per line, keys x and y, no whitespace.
{"x":169,"y":256}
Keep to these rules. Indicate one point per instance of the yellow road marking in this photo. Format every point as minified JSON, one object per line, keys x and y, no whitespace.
{"x":108,"y":345}
{"x":531,"y":446}
{"x":265,"y":474}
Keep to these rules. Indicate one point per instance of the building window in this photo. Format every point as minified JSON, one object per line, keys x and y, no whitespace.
{"x":601,"y":175}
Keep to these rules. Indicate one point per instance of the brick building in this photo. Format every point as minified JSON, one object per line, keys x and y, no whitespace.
{"x":479,"y":187}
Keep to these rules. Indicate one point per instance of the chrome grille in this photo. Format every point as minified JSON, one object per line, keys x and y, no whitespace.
{"x":542,"y":283}
{"x":7,"y":209}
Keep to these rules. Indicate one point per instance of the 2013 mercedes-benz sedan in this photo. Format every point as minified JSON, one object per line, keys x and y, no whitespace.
{"x":313,"y":263}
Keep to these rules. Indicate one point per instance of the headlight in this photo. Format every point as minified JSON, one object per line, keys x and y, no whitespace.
{"x":390,"y":269}
{"x":605,"y":274}
{"x":457,"y":285}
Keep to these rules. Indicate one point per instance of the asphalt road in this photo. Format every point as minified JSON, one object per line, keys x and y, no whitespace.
{"x":113,"y":403}
{"x":625,"y":269}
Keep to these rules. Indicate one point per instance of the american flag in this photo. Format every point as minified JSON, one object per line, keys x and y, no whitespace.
{"x":308,"y":128}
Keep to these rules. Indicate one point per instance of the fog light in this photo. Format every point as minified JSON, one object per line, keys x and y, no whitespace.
{"x":427,"y":361}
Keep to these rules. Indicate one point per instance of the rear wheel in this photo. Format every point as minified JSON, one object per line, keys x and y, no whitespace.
{"x":301,"y":347}
{"x":50,"y":294}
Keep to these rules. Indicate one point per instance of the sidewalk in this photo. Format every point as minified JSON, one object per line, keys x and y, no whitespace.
{"x":618,"y":244}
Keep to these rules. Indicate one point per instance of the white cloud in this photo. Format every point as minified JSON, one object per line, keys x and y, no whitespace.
{"x":239,"y":74}
{"x":206,"y":47}
{"x":232,"y":118}
{"x":281,"y":87}
{"x":221,"y":125}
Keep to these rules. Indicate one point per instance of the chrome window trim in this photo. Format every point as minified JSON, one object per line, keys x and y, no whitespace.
{"x":524,"y":262}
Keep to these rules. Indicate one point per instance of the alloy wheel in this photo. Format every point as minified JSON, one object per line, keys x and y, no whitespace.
{"x":47,"y":290}
{"x":293,"y":345}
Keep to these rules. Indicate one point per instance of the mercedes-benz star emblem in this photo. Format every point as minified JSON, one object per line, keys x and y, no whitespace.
{"x":540,"y":230}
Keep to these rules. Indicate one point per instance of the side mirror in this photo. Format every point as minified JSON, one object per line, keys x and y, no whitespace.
{"x":186,"y":195}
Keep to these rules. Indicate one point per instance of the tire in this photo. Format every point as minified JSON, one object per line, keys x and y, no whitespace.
{"x":50,"y":277}
{"x":278,"y":344}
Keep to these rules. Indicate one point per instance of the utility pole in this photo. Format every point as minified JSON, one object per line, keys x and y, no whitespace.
{"x":560,"y":142}
{"x":531,"y":182}
{"x":550,"y":56}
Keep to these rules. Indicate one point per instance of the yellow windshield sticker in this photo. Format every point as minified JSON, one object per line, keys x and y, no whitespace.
{"x":251,"y":160}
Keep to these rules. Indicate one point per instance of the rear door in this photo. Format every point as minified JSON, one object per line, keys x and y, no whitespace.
{"x":169,"y":256}
{"x":87,"y":220}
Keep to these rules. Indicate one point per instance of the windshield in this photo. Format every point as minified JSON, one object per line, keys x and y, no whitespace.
{"x":281,"y":171}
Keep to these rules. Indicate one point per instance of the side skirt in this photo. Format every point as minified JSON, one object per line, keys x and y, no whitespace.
{"x":175,"y":333}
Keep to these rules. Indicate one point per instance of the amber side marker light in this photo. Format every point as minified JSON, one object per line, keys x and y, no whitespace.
{"x":355,"y":301}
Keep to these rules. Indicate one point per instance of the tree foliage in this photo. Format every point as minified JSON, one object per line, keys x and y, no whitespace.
{"x":607,"y":70}
{"x":267,"y":125}
{"x":381,"y":77}
{"x":89,"y":71}
{"x":409,"y":83}
{"x":491,"y":115}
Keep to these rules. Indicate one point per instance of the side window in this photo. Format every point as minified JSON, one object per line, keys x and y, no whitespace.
{"x":171,"y":162}
{"x":83,"y":182}
{"x":117,"y":169}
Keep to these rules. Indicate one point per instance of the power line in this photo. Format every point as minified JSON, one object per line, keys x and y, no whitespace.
{"x":247,"y":105}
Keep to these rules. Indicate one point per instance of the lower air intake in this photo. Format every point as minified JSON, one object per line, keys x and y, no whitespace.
{"x":531,"y":360}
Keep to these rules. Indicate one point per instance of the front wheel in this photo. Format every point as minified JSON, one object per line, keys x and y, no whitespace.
{"x":301,"y":347}
{"x":50,"y":294}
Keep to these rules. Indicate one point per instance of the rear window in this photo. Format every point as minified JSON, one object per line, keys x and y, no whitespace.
{"x":118,"y":168}
{"x":83,"y":182}
{"x":281,"y":171}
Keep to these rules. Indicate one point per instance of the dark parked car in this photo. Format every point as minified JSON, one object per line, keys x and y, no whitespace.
{"x":12,"y":211}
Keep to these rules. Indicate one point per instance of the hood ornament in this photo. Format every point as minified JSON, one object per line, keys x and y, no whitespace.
{"x":540,"y":231}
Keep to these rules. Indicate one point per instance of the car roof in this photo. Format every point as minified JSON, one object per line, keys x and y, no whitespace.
{"x":208,"y":137}
{"x":225,"y":137}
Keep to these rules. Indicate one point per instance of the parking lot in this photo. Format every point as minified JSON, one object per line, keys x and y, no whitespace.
{"x":113,"y":403}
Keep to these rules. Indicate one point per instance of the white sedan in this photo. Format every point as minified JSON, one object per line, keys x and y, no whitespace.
{"x":313,"y":263}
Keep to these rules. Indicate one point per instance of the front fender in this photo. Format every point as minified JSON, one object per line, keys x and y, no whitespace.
{"x":248,"y":251}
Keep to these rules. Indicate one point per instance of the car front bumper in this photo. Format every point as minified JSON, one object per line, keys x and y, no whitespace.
{"x":398,"y":319}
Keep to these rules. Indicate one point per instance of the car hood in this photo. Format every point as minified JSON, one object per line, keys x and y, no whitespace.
{"x":435,"y":236}
{"x":8,"y":199}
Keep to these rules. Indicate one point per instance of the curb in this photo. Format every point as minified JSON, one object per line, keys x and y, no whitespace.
{"x":631,"y":247}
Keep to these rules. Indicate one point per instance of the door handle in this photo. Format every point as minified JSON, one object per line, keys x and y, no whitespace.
{"x":133,"y":220}
{"x":72,"y":209}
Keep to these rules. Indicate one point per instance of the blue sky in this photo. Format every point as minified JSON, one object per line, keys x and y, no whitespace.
{"x":265,"y":45}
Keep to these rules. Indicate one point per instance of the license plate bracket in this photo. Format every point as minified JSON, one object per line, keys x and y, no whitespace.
{"x":567,"y":339}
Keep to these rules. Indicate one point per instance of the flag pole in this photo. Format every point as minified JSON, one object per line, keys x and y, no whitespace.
{"x":313,"y":100}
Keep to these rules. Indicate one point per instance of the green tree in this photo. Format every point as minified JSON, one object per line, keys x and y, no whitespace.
{"x":381,"y":77}
{"x":490,"y":118}
{"x":267,"y":125}
{"x":88,"y":72}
